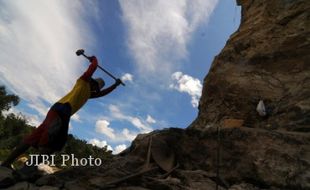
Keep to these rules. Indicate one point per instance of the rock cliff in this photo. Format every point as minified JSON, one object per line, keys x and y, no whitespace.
{"x":229,"y":144}
{"x":268,"y":59}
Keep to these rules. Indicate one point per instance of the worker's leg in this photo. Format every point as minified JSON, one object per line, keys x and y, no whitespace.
{"x":20,"y":149}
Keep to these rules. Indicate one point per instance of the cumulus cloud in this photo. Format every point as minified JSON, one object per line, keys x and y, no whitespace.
{"x":119,"y":148}
{"x":37,"y":44}
{"x":187,"y":84}
{"x":100,"y":144}
{"x":159,"y":31}
{"x":102,"y":126}
{"x":127,"y":77}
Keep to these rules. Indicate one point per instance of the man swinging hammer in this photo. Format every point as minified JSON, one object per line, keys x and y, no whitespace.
{"x":52,"y":134}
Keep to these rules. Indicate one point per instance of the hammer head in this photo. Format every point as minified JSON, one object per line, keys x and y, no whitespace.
{"x":79,"y":52}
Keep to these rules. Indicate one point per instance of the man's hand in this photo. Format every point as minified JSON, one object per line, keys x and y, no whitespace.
{"x":118,"y":82}
{"x":92,"y":58}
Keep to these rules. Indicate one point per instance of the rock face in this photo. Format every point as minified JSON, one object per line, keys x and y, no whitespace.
{"x":266,"y":59}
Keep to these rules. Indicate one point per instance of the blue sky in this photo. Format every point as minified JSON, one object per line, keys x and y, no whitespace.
{"x":161,"y":49}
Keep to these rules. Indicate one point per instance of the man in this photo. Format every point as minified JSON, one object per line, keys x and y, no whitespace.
{"x":52,"y":134}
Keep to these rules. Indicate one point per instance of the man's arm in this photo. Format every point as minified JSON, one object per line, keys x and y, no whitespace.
{"x":91,"y":69}
{"x":105,"y":91}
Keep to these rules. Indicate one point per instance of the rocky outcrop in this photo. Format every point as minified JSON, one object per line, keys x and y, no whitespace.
{"x":229,"y":144}
{"x":266,"y":59}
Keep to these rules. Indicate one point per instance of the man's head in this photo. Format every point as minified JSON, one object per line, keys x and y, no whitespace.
{"x":96,"y":84}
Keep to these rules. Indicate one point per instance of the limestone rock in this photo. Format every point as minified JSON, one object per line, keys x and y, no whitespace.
{"x":45,"y":169}
{"x":267,"y":59}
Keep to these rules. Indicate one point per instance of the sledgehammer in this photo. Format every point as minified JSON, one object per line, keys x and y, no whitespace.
{"x":81,"y":52}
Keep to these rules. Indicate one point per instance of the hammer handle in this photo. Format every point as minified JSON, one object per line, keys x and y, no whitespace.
{"x":107,"y":72}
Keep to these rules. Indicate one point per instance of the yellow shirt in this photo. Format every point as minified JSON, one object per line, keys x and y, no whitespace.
{"x":78,"y":96}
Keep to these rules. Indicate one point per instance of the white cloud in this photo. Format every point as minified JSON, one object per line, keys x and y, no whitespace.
{"x":119,"y":148}
{"x":102,"y":126}
{"x":39,"y":107}
{"x":137,"y":122}
{"x":123,"y":135}
{"x":76,"y":117}
{"x":37,"y":44}
{"x":127,"y":77}
{"x":150,"y":119}
{"x":100,"y":144}
{"x":159,"y":31}
{"x":33,"y":120}
{"x":187,"y":84}
{"x":116,"y":113}
{"x":143,"y":126}
{"x":128,"y":136}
